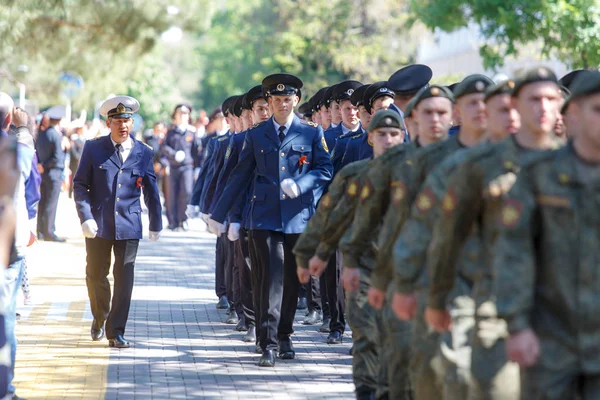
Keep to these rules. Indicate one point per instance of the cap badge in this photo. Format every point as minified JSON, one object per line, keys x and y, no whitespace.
{"x":542,"y":73}
{"x":388,"y":121}
{"x":435,"y":91}
{"x":121,"y":108}
{"x":281,"y":87}
{"x":510,"y":84}
{"x":349,"y":92}
{"x":479,"y":86}
{"x":383,"y":89}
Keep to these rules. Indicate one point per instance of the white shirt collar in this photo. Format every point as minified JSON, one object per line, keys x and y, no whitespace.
{"x":346,"y":130}
{"x":127,"y":145}
{"x":287,"y":125}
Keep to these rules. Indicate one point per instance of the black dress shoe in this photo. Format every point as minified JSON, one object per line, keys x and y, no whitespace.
{"x":250,"y":335}
{"x":325,"y":325}
{"x":267,"y":359}
{"x":335,"y":337}
{"x":302,"y":303}
{"x":312,"y":318}
{"x":54,"y":238}
{"x":241,"y":325}
{"x":118,"y":342}
{"x":286,"y":350}
{"x":223,"y":304}
{"x":97,"y":330}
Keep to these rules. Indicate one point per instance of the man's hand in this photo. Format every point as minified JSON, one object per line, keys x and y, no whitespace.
{"x":523,"y":348}
{"x":154,"y":236}
{"x":439,"y":320}
{"x":350,"y":279}
{"x":180,"y":156}
{"x":303,"y":275}
{"x":405,"y":306}
{"x":216,"y":228}
{"x":233,"y":233}
{"x":89,"y":228}
{"x":291,"y":188}
{"x":376,"y":298}
{"x":20,"y":117}
{"x":316,"y":266}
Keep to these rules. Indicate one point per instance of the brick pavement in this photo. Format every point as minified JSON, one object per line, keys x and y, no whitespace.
{"x":181,"y":349}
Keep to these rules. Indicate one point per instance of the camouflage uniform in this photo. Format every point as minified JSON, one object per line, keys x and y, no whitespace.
{"x":409,"y":254}
{"x":546,"y":264}
{"x":373,"y":202}
{"x":321,"y":237}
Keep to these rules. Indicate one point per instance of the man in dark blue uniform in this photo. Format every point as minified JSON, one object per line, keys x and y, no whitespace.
{"x":180,"y":149}
{"x":113,"y":172}
{"x":286,"y":160}
{"x":52,"y":159}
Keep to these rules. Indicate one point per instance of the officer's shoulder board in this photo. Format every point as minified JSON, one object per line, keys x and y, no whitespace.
{"x":147,"y":145}
{"x":222,"y":138}
{"x":257,"y":125}
{"x":309,"y":123}
{"x":215,"y":137}
{"x":96,"y":138}
{"x":356,"y":136}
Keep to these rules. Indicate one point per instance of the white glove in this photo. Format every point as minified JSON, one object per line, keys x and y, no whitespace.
{"x":233,"y":233}
{"x":216,"y":228}
{"x":153,"y":236}
{"x":192,"y":211}
{"x":90,"y":228}
{"x":180,"y":156}
{"x":290,"y":188}
{"x":204,"y":217}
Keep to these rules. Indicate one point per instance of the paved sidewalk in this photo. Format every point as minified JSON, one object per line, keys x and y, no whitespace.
{"x":181,"y":349}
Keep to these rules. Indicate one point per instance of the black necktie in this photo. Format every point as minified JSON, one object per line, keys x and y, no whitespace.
{"x":118,"y":146}
{"x":281,"y":134}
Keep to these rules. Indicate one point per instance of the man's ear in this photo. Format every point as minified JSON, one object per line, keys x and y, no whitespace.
{"x":108,"y":122}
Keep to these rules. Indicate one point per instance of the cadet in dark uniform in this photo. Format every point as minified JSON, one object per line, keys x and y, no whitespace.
{"x":181,"y":150}
{"x":52,"y":158}
{"x":113,"y":172}
{"x":407,"y":81}
{"x":286,"y":160}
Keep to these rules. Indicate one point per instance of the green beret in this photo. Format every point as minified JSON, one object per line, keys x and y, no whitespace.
{"x":409,"y":106}
{"x":476,"y":83}
{"x":433,"y":91}
{"x":534,"y":75}
{"x":585,"y":84}
{"x":386,"y":119}
{"x":504,"y":87}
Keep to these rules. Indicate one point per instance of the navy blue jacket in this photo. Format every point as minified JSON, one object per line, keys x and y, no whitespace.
{"x":266,"y":163}
{"x":110,"y":193}
{"x":212,"y":175}
{"x":358,"y":148}
{"x":199,"y":184}
{"x":185,"y":141}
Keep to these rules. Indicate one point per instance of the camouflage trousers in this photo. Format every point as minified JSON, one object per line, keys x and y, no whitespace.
{"x":426,"y":365}
{"x":493,"y":377}
{"x":396,"y":352}
{"x":362,"y":319}
{"x":455,"y":349}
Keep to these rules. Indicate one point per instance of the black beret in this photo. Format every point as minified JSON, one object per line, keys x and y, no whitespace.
{"x":539,"y":74}
{"x":568,"y":79}
{"x":410,"y":106}
{"x":504,"y":87}
{"x":433,"y":91}
{"x":357,"y":97}
{"x":410,"y":79}
{"x":475,"y":83}
{"x":344,"y":90}
{"x":386,"y":119}
{"x":585,"y":84}
{"x":281,"y":85}
{"x":374,"y":91}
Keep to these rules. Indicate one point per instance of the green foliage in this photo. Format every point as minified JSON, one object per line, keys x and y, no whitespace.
{"x":566,"y":29}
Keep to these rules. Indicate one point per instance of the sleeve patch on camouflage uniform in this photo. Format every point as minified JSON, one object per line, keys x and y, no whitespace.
{"x":366,"y":191}
{"x":449,"y":202}
{"x":352,"y":189}
{"x":425,"y":201}
{"x":511,"y":213}
{"x":398,"y":192}
{"x":326,"y":201}
{"x":324,"y":143}
{"x":553,"y":201}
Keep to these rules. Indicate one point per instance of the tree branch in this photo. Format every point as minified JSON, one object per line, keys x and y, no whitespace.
{"x":60,"y":22}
